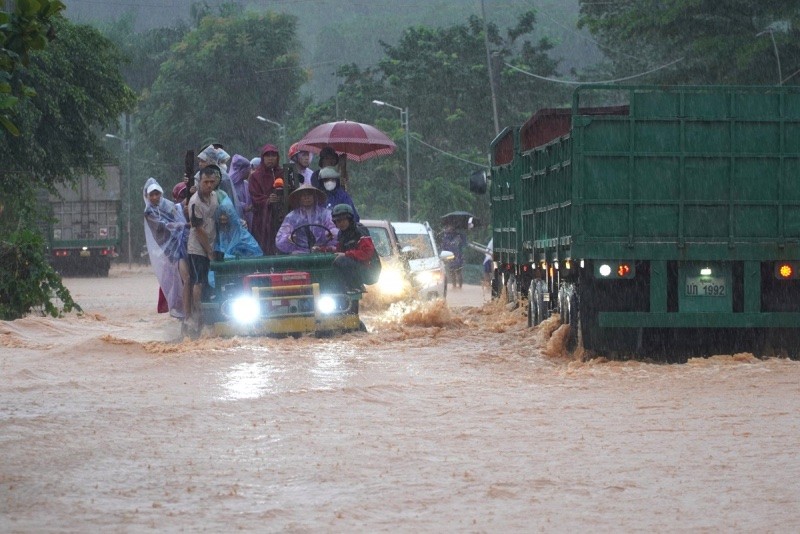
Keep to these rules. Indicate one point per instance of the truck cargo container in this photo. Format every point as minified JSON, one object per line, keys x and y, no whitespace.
{"x":84,"y":231}
{"x":665,"y":218}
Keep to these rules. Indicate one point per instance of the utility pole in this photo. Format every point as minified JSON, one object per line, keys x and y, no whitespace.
{"x":491,"y":70}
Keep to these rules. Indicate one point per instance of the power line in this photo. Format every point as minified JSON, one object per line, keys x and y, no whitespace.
{"x":570,"y":82}
{"x":420,"y":141}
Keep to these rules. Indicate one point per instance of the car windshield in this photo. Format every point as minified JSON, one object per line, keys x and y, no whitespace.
{"x":380,"y":238}
{"x":420,"y":242}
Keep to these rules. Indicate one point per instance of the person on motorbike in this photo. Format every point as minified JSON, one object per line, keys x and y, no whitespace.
{"x":356,"y":262}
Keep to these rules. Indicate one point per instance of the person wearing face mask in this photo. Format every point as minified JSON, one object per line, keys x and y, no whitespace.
{"x":329,"y":178}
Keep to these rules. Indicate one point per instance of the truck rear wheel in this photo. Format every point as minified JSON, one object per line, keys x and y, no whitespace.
{"x":512,"y":289}
{"x":497,"y":284}
{"x":536,"y":306}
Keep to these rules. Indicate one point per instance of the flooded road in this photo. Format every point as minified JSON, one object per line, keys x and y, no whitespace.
{"x":438,"y":419}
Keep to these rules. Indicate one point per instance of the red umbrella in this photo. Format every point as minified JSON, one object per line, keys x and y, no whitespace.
{"x":359,"y":141}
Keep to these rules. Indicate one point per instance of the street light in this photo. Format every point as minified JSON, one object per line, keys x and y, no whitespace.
{"x":126,"y":144}
{"x":404,"y":125}
{"x":281,"y":132}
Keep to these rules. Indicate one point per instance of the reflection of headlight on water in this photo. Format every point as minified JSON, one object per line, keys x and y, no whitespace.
{"x":326,"y":304}
{"x":245,"y":310}
{"x":391,"y":282}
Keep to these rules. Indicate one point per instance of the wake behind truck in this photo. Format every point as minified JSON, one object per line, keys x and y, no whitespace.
{"x":656,"y":218}
{"x":83,"y":235}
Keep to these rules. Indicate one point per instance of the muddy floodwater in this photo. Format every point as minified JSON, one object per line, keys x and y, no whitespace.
{"x":456,"y":419}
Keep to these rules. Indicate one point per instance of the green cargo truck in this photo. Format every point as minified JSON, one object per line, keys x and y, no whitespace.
{"x":84,"y":231}
{"x":656,"y":217}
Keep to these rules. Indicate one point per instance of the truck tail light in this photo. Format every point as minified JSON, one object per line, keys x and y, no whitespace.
{"x":614,"y":270}
{"x":787,"y":270}
{"x":61,"y":253}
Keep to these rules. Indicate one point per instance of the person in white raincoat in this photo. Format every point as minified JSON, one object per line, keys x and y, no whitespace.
{"x":166,"y":232}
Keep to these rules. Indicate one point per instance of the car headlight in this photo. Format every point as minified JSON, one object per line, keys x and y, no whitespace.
{"x":326,"y":304}
{"x":245,"y":310}
{"x":391,"y":281}
{"x":428,"y":278}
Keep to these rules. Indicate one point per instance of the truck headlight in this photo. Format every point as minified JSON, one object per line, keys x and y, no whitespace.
{"x":326,"y":304}
{"x":245,"y":310}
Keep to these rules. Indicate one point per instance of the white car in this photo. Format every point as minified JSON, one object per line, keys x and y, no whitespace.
{"x":425,"y":266}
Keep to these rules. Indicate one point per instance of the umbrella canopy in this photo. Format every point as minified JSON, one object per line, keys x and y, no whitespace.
{"x":459,"y":219}
{"x":359,"y":141}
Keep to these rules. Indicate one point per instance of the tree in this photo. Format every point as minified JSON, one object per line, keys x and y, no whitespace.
{"x":440,"y":74}
{"x":76,"y":89}
{"x":219,"y":77}
{"x":144,"y":52}
{"x":79,"y":89}
{"x":27,"y":28}
{"x":717,"y":42}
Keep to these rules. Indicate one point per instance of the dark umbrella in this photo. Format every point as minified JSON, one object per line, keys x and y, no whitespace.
{"x":359,"y":141}
{"x":459,"y":219}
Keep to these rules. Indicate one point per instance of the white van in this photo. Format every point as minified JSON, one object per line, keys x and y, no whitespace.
{"x":418,"y":245}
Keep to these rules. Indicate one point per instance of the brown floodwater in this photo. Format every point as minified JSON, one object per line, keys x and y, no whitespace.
{"x":440,"y":418}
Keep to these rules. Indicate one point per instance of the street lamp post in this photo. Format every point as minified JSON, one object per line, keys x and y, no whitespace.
{"x":404,"y":125}
{"x":281,"y":132}
{"x":126,"y":144}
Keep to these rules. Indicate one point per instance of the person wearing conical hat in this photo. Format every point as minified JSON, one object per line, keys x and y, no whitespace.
{"x":310,"y":218}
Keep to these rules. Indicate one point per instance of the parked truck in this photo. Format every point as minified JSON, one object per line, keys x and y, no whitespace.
{"x":84,"y":230}
{"x":656,"y":218}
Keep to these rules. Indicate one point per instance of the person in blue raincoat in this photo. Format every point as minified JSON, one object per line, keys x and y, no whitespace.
{"x":454,"y":240}
{"x":233,"y":239}
{"x":166,"y":233}
{"x":329,"y":178}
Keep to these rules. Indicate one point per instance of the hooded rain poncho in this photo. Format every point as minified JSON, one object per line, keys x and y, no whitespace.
{"x":233,"y":240}
{"x":166,"y":234}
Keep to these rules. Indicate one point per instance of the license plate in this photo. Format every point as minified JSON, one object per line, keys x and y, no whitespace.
{"x":706,"y":286}
{"x":85,"y":253}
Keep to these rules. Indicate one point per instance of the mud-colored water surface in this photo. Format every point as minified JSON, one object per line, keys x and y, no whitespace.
{"x":439,"y":419}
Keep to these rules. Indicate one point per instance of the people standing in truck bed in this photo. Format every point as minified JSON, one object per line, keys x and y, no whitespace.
{"x":330,"y":179}
{"x":202,"y":208}
{"x":240,"y":174}
{"x":262,"y":191}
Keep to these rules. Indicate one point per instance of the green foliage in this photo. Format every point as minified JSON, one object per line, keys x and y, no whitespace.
{"x":440,"y":74}
{"x":218,"y":78}
{"x":144,"y":52}
{"x":27,"y":281}
{"x":79,"y":89}
{"x":27,"y":28}
{"x":720,"y":42}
